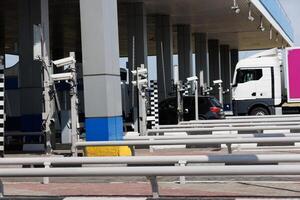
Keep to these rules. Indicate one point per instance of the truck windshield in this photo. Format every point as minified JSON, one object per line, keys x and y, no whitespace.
{"x":246,"y":75}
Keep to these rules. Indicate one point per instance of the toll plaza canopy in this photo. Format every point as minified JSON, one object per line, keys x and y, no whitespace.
{"x":216,"y":18}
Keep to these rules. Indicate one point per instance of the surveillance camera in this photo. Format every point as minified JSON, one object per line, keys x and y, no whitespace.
{"x":62,"y":76}
{"x":236,"y":9}
{"x":251,"y":18}
{"x":193,"y":78}
{"x":217,"y":82}
{"x":63,"y":62}
{"x":262,"y":29}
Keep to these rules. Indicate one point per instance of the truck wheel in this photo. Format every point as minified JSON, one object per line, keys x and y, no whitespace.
{"x":259,"y":111}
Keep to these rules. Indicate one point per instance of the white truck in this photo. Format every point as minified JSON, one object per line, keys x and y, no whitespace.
{"x":267,"y":83}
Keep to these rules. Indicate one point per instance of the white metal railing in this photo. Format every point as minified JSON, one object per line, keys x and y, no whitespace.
{"x":263,"y":116}
{"x":231,"y":135}
{"x":197,"y":130}
{"x":243,"y":120}
{"x":235,"y":124}
{"x":207,"y":141}
{"x":138,"y":160}
{"x":153,"y":171}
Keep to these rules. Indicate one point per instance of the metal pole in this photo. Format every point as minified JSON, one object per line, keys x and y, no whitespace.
{"x":241,"y":121}
{"x":191,"y":141}
{"x":230,"y":135}
{"x":142,"y":103}
{"x":154,"y":186}
{"x":74,"y":109}
{"x":263,"y":116}
{"x":48,"y":102}
{"x":196,"y":100}
{"x":179,"y":102}
{"x":1,"y":189}
{"x":154,"y":171}
{"x":199,"y":130}
{"x":46,"y":179}
{"x":221,"y":93}
{"x":243,"y":158}
{"x":227,"y":125}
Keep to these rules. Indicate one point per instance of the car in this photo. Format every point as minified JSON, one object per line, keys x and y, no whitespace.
{"x":209,"y":108}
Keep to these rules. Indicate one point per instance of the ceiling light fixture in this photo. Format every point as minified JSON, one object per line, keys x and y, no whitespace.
{"x":250,"y":17}
{"x":261,"y":25}
{"x":277,"y":38}
{"x":271,"y":32}
{"x":235,"y":7}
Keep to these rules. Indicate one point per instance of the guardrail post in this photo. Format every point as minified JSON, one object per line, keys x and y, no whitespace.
{"x":46,"y":179}
{"x":229,"y":149}
{"x":154,"y":186}
{"x":182,"y":163}
{"x":74,"y":150}
{"x":151,"y":149}
{"x":1,"y":189}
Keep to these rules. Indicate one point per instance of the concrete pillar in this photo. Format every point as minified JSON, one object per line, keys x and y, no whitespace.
{"x":225,"y":73}
{"x":214,"y":65}
{"x":201,"y":55}
{"x":101,"y":71}
{"x":137,"y":48}
{"x":234,"y":57}
{"x":184,"y":39}
{"x":30,"y":83}
{"x":164,"y":51}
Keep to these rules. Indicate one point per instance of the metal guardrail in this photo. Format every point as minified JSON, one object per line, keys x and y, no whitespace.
{"x":203,"y":129}
{"x":159,"y":160}
{"x":251,"y":120}
{"x":263,"y":116}
{"x":152,"y":172}
{"x":213,"y":141}
{"x":232,"y":135}
{"x":236,"y":124}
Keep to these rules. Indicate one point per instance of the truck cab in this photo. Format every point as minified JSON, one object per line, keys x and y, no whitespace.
{"x":256,"y":87}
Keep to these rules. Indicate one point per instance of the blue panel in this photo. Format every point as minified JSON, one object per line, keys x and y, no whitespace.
{"x":104,"y":128}
{"x":11,"y":83}
{"x":31,"y":123}
{"x":12,"y":123}
{"x":277,"y":12}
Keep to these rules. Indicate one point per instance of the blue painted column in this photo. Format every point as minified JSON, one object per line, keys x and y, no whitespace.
{"x":101,"y":71}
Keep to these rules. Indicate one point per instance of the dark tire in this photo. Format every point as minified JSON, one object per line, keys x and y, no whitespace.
{"x":259,"y":111}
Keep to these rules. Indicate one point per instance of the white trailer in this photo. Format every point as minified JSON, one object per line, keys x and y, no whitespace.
{"x":267,"y":83}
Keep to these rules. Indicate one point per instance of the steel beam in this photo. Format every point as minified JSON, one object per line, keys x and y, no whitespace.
{"x":210,"y":136}
{"x":191,"y":141}
{"x":153,"y":171}
{"x":199,"y":130}
{"x":242,"y":159}
{"x":229,"y":124}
